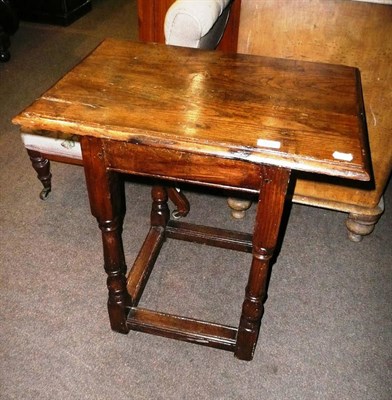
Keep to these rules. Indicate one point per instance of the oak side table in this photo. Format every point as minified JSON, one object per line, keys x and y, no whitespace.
{"x":183,"y":115}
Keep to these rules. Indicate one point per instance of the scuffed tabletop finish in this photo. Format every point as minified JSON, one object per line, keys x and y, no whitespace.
{"x":297,"y":115}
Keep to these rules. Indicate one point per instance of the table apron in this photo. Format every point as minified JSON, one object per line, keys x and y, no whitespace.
{"x":175,"y":165}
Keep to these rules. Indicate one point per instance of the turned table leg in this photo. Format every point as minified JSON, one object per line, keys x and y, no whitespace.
{"x":106,"y":194}
{"x":361,"y":224}
{"x":269,"y":214}
{"x":238,"y":207}
{"x":160,"y":213}
{"x":42,"y":168}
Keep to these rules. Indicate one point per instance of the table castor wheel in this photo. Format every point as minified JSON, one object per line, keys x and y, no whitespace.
{"x":44,"y":194}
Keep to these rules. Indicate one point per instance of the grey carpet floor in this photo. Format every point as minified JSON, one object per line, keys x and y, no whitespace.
{"x":327,"y":329}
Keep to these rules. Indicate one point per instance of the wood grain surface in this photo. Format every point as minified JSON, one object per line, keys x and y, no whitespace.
{"x":295,"y":114}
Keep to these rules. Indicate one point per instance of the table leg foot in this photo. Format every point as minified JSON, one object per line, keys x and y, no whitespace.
{"x":252,"y":310}
{"x":115,"y":267}
{"x":238,"y":207}
{"x":360,"y":225}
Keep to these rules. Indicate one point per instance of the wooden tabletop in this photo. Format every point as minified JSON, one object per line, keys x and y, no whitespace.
{"x":298,"y":115}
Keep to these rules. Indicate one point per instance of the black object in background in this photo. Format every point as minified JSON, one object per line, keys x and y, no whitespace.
{"x":9,"y":23}
{"x":58,"y":12}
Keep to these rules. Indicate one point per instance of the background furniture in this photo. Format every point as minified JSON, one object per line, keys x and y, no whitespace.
{"x":196,"y":24}
{"x":152,"y":16}
{"x":61,"y":12}
{"x":9,"y":24}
